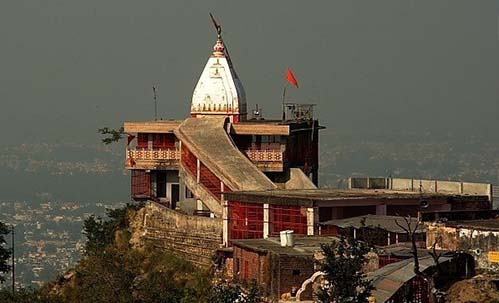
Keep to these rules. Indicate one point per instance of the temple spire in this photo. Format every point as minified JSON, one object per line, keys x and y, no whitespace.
{"x":219,"y":90}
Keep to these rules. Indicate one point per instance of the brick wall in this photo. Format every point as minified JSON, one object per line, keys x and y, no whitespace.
{"x":191,"y":237}
{"x":275,"y":273}
{"x":249,"y":265}
{"x":294,"y":270}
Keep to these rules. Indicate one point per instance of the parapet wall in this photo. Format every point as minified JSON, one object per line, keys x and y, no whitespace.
{"x":194,"y":238}
{"x":427,"y":186}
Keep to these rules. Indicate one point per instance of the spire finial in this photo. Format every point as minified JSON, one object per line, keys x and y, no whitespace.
{"x":219,"y":47}
{"x":217,"y":26}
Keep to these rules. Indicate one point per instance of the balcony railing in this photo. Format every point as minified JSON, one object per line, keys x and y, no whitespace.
{"x":256,"y":155}
{"x":151,"y":158}
{"x":266,"y":160}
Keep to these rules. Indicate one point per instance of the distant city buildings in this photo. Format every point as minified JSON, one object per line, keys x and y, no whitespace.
{"x":48,"y":237}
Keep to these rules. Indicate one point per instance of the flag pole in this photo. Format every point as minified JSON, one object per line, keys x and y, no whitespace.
{"x":283,"y":101}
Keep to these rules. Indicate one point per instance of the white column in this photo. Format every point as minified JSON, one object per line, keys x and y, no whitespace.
{"x":199,"y":205}
{"x":389,"y":239}
{"x":225,"y":219}
{"x":222,"y":188}
{"x":198,"y":171}
{"x":266,"y":221}
{"x":312,"y":218}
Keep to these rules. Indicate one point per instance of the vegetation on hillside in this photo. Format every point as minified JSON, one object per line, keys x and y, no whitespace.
{"x":113,"y":271}
{"x":4,"y":252}
{"x":343,"y":269}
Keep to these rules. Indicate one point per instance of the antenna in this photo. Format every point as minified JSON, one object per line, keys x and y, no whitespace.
{"x":155,"y":103}
{"x":13,"y":263}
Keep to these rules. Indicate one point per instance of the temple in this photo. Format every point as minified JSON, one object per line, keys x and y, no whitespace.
{"x":189,"y":164}
{"x":224,"y":181}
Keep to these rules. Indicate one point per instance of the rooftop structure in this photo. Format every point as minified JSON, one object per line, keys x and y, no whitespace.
{"x":218,"y":148}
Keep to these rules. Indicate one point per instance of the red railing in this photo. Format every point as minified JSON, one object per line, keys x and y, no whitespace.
{"x":210,"y":181}
{"x":206,"y":177}
{"x":189,"y":160}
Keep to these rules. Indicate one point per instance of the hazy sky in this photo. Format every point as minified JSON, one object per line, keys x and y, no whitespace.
{"x":68,"y":67}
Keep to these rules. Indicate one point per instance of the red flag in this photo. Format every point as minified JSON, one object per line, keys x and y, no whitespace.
{"x":291,"y":78}
{"x":130,"y":138}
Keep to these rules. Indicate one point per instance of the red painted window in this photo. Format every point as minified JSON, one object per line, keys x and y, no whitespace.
{"x":141,"y":184}
{"x":288,"y":218}
{"x":142,"y":140}
{"x":163,"y":141}
{"x":245,"y":220}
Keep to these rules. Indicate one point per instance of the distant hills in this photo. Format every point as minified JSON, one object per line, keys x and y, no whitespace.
{"x":78,"y":172}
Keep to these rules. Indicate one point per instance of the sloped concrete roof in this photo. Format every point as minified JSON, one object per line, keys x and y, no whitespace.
{"x":207,"y":139}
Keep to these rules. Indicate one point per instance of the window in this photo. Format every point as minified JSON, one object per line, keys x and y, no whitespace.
{"x":142,"y":140}
{"x":296,"y":272}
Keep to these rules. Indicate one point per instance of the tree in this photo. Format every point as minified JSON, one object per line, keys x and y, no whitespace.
{"x":4,"y":252}
{"x":411,"y":229}
{"x":114,"y":134}
{"x":101,"y":233}
{"x":342,"y":267}
{"x":229,"y":292}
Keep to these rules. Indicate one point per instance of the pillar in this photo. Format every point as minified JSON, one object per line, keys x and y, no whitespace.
{"x":312,"y":219}
{"x":198,"y":171}
{"x":381,"y":210}
{"x":225,"y":220}
{"x":266,"y":221}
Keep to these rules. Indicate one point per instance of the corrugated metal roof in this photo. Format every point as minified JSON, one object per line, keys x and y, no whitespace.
{"x":388,"y":279}
{"x":388,"y":223}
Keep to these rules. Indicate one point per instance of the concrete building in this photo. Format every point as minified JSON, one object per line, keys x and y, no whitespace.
{"x":474,"y":232}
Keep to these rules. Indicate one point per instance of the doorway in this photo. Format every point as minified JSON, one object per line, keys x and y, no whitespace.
{"x":161,"y":184}
{"x":175,"y":194}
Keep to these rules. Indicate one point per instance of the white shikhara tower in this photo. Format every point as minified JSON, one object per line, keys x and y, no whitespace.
{"x":219,"y":90}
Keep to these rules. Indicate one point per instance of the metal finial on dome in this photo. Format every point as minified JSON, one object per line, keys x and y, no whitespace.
{"x":219,"y":48}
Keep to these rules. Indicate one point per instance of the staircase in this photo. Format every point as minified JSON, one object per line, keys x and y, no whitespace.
{"x":207,"y":147}
{"x":202,"y":192}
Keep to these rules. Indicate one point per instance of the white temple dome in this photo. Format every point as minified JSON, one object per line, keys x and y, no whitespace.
{"x":219,"y":90}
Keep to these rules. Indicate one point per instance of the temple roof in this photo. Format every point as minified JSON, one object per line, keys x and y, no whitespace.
{"x":219,"y":90}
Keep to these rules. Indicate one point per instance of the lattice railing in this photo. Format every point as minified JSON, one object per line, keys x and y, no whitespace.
{"x":153,"y":154}
{"x":257,"y":155}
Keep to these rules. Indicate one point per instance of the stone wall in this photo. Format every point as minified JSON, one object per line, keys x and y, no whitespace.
{"x":478,"y":243}
{"x":194,"y":238}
